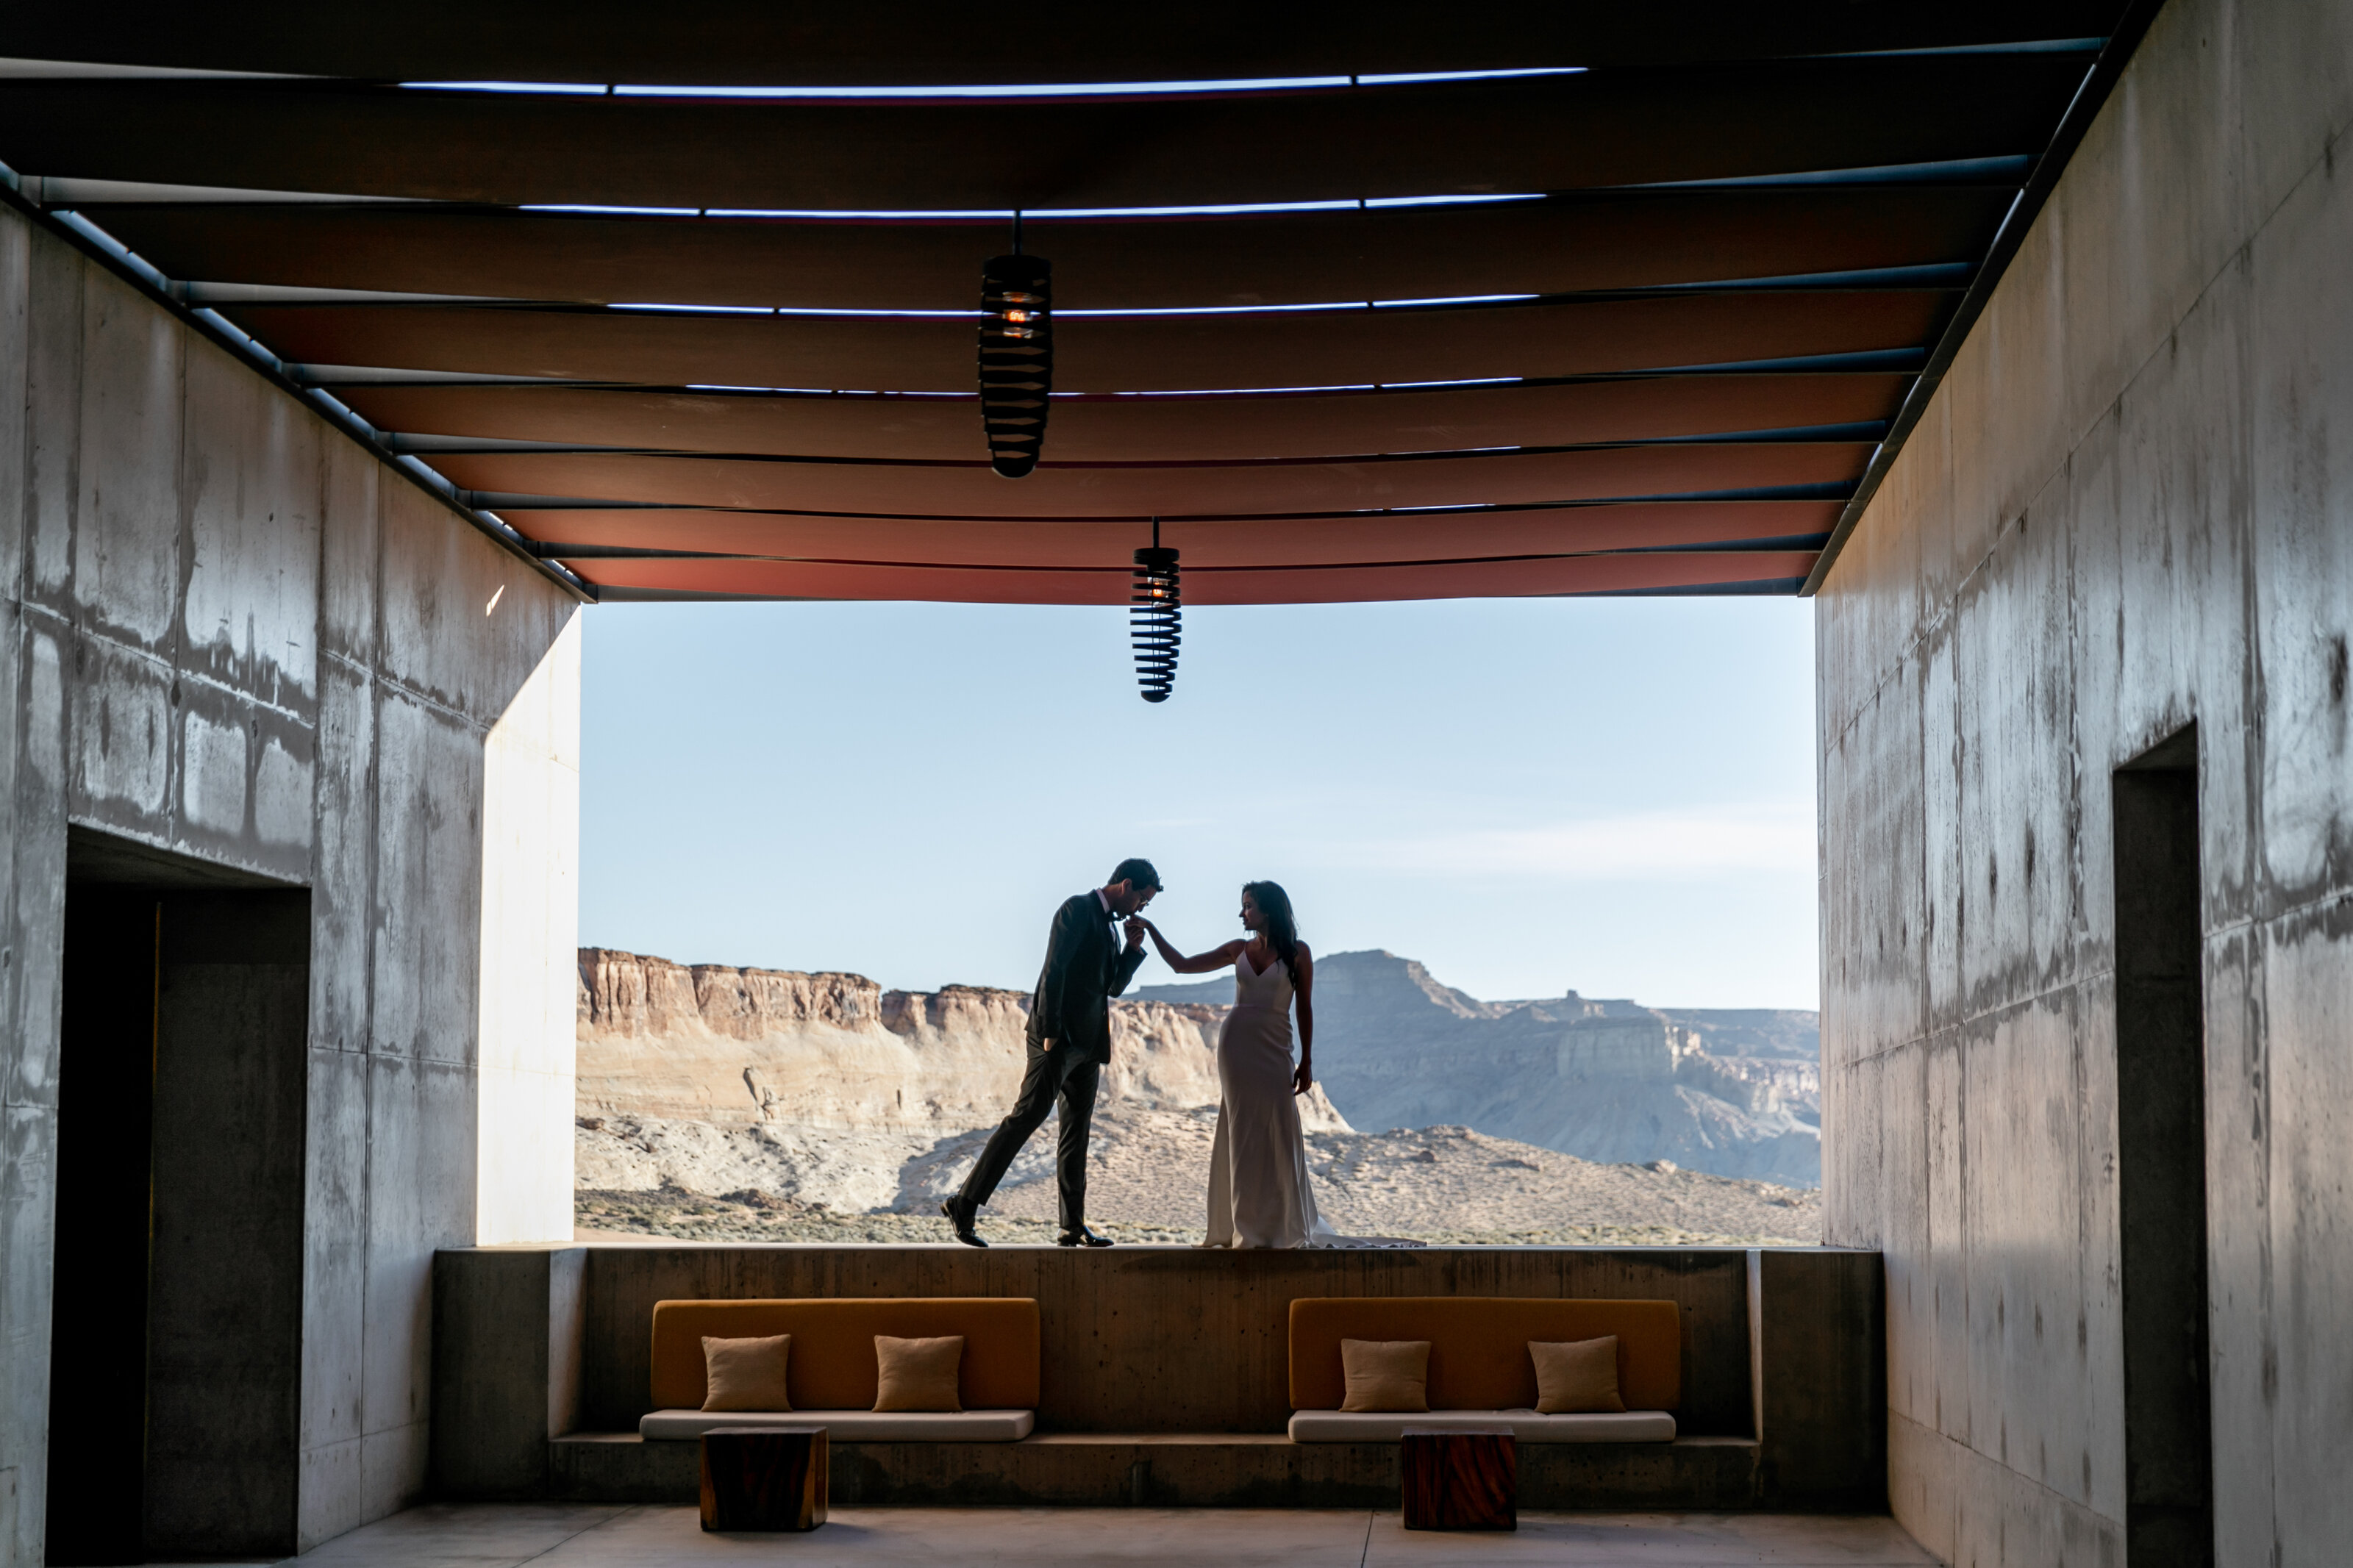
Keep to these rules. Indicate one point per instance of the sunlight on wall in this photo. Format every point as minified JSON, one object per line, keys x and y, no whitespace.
{"x":531,"y":922}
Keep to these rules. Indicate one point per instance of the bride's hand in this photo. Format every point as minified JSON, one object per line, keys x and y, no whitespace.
{"x":1302,"y":1079}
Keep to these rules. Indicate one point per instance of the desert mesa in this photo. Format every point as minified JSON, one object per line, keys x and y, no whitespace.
{"x":789,"y":1096}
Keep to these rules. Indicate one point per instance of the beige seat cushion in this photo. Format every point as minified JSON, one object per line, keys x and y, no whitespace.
{"x":1576,"y":1377}
{"x":917,"y":1374}
{"x":746,"y":1374}
{"x":1386,"y":1374}
{"x":859,"y":1426}
{"x":1337,"y":1426}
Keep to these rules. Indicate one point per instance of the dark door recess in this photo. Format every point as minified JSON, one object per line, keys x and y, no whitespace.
{"x":175,"y":1368}
{"x":2161,"y":1160}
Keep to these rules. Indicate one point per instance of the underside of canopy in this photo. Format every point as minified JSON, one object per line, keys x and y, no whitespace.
{"x":683,"y":302}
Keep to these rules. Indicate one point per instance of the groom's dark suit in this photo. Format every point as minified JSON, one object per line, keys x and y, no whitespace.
{"x":1085,"y":968}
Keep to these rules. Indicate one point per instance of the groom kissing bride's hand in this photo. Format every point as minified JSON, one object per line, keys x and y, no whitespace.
{"x":1070,"y":1044}
{"x":1260,"y":1195}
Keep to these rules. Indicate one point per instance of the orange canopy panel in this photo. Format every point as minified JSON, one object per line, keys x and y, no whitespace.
{"x":970,"y":489}
{"x":1103,"y":354}
{"x":1204,"y":543}
{"x":1583,"y":241}
{"x":1529,"y":133}
{"x":942,"y":41}
{"x":1755,"y":570}
{"x":1135,"y":429}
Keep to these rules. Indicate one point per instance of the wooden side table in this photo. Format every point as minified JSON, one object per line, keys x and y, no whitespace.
{"x":763,"y":1477}
{"x":1465,"y":1478}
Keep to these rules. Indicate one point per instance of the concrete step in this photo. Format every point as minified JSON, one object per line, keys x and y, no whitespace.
{"x":1181,"y":1469}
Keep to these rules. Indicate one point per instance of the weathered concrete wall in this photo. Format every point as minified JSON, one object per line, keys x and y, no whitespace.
{"x":231,"y":633}
{"x":2130,"y":508}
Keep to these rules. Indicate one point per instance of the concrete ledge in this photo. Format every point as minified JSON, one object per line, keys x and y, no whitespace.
{"x":1176,"y":1471}
{"x":1165,"y":1374}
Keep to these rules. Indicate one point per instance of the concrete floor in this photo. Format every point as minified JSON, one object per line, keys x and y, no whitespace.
{"x":584,"y":1536}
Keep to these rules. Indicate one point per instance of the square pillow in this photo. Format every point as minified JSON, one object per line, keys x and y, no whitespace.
{"x":917,"y":1374}
{"x":1386,"y":1374}
{"x":1576,"y":1376}
{"x":746,"y":1374}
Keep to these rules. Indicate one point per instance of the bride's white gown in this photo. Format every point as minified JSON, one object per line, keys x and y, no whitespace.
{"x":1259,"y":1195}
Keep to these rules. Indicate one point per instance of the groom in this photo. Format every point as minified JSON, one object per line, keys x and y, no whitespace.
{"x":1070,"y":1044}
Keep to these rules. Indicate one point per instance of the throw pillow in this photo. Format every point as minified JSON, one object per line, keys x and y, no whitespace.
{"x":1386,"y":1374}
{"x":917,"y":1374}
{"x":746,"y":1374}
{"x":1576,"y":1376}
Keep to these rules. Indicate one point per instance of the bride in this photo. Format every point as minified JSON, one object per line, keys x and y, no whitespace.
{"x":1259,"y":1195}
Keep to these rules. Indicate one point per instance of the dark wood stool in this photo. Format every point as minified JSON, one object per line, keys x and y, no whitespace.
{"x":1467,"y":1478}
{"x":763,"y":1477}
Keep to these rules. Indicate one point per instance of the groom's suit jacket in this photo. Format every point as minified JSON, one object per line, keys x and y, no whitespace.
{"x":1085,"y":968}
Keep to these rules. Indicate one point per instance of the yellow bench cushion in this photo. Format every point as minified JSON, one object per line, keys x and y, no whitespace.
{"x":1479,"y":1345}
{"x":832,"y":1365}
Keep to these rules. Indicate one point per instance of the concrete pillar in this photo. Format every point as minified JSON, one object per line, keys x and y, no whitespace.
{"x":1818,"y":1369}
{"x":508,"y":1323}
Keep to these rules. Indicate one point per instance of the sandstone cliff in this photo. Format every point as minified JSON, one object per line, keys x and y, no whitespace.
{"x":743,"y":1048}
{"x":1604,"y":1081}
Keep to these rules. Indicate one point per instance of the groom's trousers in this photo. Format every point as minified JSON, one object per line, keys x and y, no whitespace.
{"x":1062,"y":1076}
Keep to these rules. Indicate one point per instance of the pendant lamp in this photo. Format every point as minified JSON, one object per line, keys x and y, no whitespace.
{"x":1156,"y":617}
{"x":1016,"y":356}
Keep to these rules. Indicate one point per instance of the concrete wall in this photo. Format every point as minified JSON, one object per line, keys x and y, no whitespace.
{"x":231,"y":633}
{"x":2130,"y":508}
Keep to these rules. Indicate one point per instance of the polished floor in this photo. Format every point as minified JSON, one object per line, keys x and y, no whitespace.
{"x":579,"y":1536}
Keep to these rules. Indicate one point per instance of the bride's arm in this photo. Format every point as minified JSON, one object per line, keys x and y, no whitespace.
{"x":1303,"y":1079}
{"x":1216,"y":958}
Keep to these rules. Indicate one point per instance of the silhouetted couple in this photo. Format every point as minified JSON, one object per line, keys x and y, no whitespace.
{"x":1258,"y":1193}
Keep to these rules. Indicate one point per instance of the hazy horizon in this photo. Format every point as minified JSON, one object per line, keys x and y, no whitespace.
{"x":1528,"y":796}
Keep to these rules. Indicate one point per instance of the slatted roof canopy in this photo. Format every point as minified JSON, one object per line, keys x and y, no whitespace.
{"x":684,"y":300}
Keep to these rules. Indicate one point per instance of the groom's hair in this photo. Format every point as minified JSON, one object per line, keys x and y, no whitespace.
{"x":1136,"y":873}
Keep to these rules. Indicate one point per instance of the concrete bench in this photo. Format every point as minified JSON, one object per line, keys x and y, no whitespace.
{"x":830,"y":1375}
{"x":1481,"y":1373}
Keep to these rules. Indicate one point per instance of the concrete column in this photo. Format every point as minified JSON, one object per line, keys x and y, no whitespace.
{"x":1818,"y":1369}
{"x":507,"y":1324}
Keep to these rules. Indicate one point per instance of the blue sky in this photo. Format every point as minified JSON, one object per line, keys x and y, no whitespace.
{"x":1529,"y":795}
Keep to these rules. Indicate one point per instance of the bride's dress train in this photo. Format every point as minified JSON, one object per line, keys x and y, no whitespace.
{"x":1258,"y":1193}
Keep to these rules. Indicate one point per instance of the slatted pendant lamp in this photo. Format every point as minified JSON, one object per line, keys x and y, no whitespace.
{"x":1156,"y":616}
{"x":1016,"y":356}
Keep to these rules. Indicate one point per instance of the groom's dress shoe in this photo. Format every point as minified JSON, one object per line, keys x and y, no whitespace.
{"x":961,"y":1217}
{"x":1082,"y":1236}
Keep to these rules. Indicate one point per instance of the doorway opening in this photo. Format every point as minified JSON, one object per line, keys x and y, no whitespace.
{"x":175,"y":1363}
{"x":2161,"y":1159}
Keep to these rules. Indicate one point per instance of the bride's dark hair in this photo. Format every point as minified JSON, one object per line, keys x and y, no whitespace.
{"x":1282,"y":926}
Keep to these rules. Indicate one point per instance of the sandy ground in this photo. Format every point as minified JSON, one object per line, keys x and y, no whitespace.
{"x":1147,"y":1174}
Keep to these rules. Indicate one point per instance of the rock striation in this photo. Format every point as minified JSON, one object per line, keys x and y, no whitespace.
{"x":744,"y":1047}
